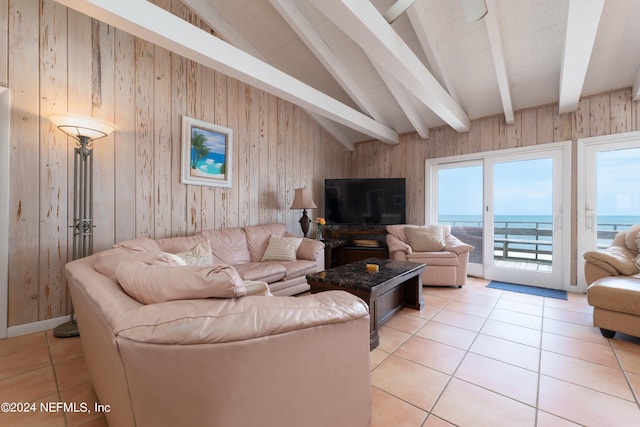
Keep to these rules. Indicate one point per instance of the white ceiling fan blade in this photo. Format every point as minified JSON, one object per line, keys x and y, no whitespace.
{"x":474,"y":10}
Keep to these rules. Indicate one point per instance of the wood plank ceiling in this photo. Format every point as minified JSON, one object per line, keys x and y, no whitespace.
{"x":364,"y":78}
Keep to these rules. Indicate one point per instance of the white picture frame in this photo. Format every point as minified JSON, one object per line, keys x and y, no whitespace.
{"x":207,"y":151}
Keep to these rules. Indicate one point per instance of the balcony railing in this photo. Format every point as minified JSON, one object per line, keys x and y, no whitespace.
{"x":529,"y":241}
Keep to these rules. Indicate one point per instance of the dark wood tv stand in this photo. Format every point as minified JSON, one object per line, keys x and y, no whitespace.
{"x":357,"y":239}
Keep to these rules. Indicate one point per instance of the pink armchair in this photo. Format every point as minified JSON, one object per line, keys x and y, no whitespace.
{"x":445,"y":255}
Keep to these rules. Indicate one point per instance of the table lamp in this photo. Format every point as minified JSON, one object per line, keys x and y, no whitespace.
{"x":303,"y":200}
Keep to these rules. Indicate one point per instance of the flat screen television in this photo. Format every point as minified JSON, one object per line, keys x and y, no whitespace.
{"x":365,"y":201}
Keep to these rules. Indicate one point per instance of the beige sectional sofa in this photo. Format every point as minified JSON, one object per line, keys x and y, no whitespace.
{"x":244,"y":247}
{"x":197,"y":351}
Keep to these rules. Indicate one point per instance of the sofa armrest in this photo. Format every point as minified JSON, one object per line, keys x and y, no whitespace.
{"x":455,"y":245}
{"x":394,"y":244}
{"x":615,"y":259}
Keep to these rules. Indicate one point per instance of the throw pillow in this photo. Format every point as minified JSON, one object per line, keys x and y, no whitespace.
{"x":152,"y":284}
{"x":198,"y":255}
{"x":282,"y":248}
{"x":429,"y":238}
{"x":631,"y":239}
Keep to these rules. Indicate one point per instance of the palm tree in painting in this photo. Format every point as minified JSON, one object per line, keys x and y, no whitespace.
{"x":198,"y":149}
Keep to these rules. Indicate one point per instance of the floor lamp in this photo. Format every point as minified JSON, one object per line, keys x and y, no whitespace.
{"x":85,"y":130}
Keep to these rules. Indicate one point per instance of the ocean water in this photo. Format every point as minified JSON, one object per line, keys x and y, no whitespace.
{"x":211,"y":164}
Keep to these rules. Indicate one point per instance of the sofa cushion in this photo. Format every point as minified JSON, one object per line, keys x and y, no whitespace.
{"x":620,"y":294}
{"x":178,"y":244}
{"x":268,"y":271}
{"x":142,"y":244}
{"x":229,"y":246}
{"x":198,"y":255}
{"x":108,"y":261}
{"x":309,"y":248}
{"x":434,"y":258}
{"x":152,"y":284}
{"x":615,"y":259}
{"x":298,"y":268}
{"x":430,"y":238}
{"x":258,"y":238}
{"x":200,"y":322}
{"x":282,"y":248}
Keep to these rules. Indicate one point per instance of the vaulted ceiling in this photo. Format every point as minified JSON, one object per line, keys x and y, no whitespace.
{"x":364,"y":78}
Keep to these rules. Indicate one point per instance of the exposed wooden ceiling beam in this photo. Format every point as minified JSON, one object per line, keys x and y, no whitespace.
{"x":153,"y":24}
{"x":582,"y":27}
{"x":362,"y":22}
{"x":290,"y":12}
{"x":214,"y":19}
{"x":407,"y":102}
{"x":334,"y":130}
{"x":495,"y":40}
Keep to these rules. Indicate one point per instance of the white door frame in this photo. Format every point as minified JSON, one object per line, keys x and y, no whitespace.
{"x":4,"y":208}
{"x":564,"y":219}
{"x":586,"y":204}
{"x":431,"y":202}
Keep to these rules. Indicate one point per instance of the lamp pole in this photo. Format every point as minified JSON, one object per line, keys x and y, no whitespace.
{"x":85,"y":130}
{"x":82,"y":218}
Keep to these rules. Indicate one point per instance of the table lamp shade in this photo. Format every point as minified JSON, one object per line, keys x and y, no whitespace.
{"x":302,"y":199}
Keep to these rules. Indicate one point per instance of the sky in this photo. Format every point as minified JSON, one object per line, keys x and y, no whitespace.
{"x":215,"y":141}
{"x":524,"y":187}
{"x":618,"y":183}
{"x":521,"y":188}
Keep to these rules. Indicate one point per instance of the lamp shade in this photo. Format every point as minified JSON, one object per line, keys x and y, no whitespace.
{"x":77,"y":126}
{"x":302,"y":199}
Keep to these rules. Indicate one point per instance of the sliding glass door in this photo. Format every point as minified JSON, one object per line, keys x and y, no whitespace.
{"x":523,"y":221}
{"x":509,"y":204}
{"x":460,"y":204}
{"x":608,"y":190}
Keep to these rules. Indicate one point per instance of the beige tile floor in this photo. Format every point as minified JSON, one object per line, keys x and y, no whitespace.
{"x":472,"y":357}
{"x":483,"y":357}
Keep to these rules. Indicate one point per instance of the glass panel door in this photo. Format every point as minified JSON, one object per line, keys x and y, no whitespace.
{"x":523,"y":213}
{"x":608,"y":193}
{"x":509,"y":204}
{"x":617,"y":192}
{"x":460,"y":204}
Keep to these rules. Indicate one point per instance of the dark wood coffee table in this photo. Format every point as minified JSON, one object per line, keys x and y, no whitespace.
{"x":397,"y":284}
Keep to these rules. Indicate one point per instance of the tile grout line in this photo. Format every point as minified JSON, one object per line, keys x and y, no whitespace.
{"x":55,"y":375}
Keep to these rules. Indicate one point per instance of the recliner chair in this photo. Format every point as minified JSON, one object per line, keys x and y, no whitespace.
{"x":446,"y":263}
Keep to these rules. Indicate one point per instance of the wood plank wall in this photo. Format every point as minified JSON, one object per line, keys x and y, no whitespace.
{"x":603,"y":114}
{"x":57,"y":60}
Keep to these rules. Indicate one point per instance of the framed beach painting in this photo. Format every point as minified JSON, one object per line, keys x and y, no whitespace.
{"x":206,"y":153}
